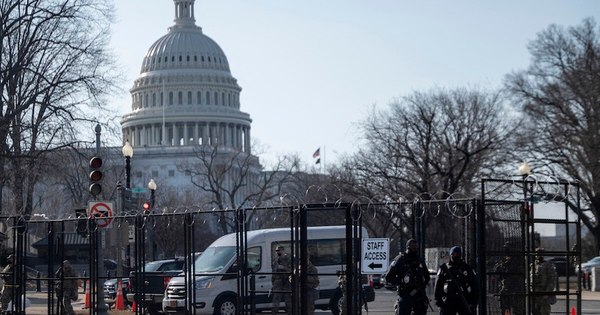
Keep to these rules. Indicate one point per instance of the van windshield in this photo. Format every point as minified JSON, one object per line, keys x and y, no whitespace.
{"x":214,"y":258}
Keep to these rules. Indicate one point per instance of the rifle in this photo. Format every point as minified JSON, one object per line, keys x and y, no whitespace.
{"x":459,"y":289}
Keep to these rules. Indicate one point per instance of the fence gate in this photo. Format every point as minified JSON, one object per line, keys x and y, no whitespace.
{"x":516,"y":216}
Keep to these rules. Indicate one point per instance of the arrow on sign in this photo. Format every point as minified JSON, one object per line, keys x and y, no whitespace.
{"x":375,"y":266}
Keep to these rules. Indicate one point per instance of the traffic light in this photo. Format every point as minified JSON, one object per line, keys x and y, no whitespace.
{"x":95,"y":176}
{"x":147,"y":207}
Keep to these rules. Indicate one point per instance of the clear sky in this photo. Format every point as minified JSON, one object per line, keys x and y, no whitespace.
{"x":311,"y":70}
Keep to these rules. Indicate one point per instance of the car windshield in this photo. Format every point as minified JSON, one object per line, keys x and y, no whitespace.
{"x":153,"y":266}
{"x":214,"y":258}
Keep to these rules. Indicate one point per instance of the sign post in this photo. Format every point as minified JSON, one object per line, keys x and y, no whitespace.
{"x":375,"y":255}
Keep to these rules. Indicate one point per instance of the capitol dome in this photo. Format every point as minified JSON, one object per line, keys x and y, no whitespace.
{"x":185,"y":47}
{"x":185,"y":94}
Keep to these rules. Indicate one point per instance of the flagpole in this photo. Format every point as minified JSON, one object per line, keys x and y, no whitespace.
{"x":324,"y":158}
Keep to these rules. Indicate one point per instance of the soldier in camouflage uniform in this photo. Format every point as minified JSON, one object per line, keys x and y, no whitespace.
{"x":312,"y":286}
{"x":512,"y":283}
{"x":67,"y":287}
{"x":312,"y":281}
{"x":9,"y":284}
{"x":544,"y":278}
{"x":281,"y":267}
{"x":342,"y":286}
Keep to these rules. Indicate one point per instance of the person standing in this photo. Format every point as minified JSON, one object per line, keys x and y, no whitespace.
{"x":67,"y":286}
{"x":409,"y":273}
{"x":312,"y":283}
{"x":456,"y":286}
{"x":9,"y":283}
{"x":342,"y":285}
{"x":512,"y":283}
{"x":544,"y":278}
{"x":281,"y":267}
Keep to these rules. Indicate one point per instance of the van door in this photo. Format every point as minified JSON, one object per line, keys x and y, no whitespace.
{"x":258,"y":264}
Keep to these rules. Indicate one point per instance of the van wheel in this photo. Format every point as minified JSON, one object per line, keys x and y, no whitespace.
{"x":336,"y":302}
{"x":226,"y":306}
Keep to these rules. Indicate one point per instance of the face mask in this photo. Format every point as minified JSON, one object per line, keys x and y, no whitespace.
{"x":278,"y":253}
{"x":455,"y":258}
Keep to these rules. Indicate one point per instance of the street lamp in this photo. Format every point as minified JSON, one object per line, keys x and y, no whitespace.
{"x":127,"y":153}
{"x":152,"y":186}
{"x":151,"y":236}
{"x":524,"y":169}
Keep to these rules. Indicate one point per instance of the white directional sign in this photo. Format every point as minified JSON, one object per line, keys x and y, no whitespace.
{"x":375,"y":255}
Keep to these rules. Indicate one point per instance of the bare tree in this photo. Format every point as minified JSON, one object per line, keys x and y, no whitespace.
{"x":428,"y":145}
{"x":560,"y":97}
{"x":233,"y":179}
{"x":54,"y":71}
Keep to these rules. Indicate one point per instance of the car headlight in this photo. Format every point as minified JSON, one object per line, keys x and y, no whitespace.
{"x":204,"y":283}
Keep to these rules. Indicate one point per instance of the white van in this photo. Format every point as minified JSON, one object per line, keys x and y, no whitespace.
{"x":215,"y":291}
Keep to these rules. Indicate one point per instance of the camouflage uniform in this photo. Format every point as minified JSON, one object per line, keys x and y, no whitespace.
{"x":9,"y":284}
{"x":67,"y":286}
{"x":281,"y":267}
{"x":512,"y":285}
{"x":312,"y":285}
{"x":544,"y":278}
{"x":342,"y":286}
{"x":312,"y":282}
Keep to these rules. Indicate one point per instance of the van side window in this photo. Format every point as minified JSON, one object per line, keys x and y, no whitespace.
{"x":324,"y":252}
{"x":327,"y":252}
{"x":254,"y":258}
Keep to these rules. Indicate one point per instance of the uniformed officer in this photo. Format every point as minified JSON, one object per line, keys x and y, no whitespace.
{"x":67,"y":286}
{"x":456,"y":287}
{"x":9,"y":283}
{"x":544,"y":278}
{"x":512,"y":283}
{"x":410,"y":274}
{"x":312,"y":285}
{"x":281,"y":267}
{"x":342,"y":285}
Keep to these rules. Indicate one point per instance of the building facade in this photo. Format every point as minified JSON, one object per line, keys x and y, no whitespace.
{"x":184,"y":99}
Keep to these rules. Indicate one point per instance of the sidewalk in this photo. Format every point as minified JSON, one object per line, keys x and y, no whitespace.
{"x":39,"y":305}
{"x":590,"y":295}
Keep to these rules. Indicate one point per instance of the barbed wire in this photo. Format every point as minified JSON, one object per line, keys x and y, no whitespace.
{"x":537,"y":187}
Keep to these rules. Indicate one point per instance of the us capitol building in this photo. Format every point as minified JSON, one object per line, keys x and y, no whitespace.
{"x":184,"y":99}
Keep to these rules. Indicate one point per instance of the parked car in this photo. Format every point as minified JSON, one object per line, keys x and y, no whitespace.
{"x":155,"y":277}
{"x":590,"y":264}
{"x":562,"y":266}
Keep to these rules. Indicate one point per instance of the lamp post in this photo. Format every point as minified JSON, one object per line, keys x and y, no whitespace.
{"x":151,"y":236}
{"x":127,"y":153}
{"x":152,"y":186}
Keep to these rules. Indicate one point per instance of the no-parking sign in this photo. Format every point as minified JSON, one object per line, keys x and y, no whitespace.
{"x":103,"y":213}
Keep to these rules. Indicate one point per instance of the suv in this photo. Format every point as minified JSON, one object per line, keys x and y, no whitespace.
{"x":155,"y":275}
